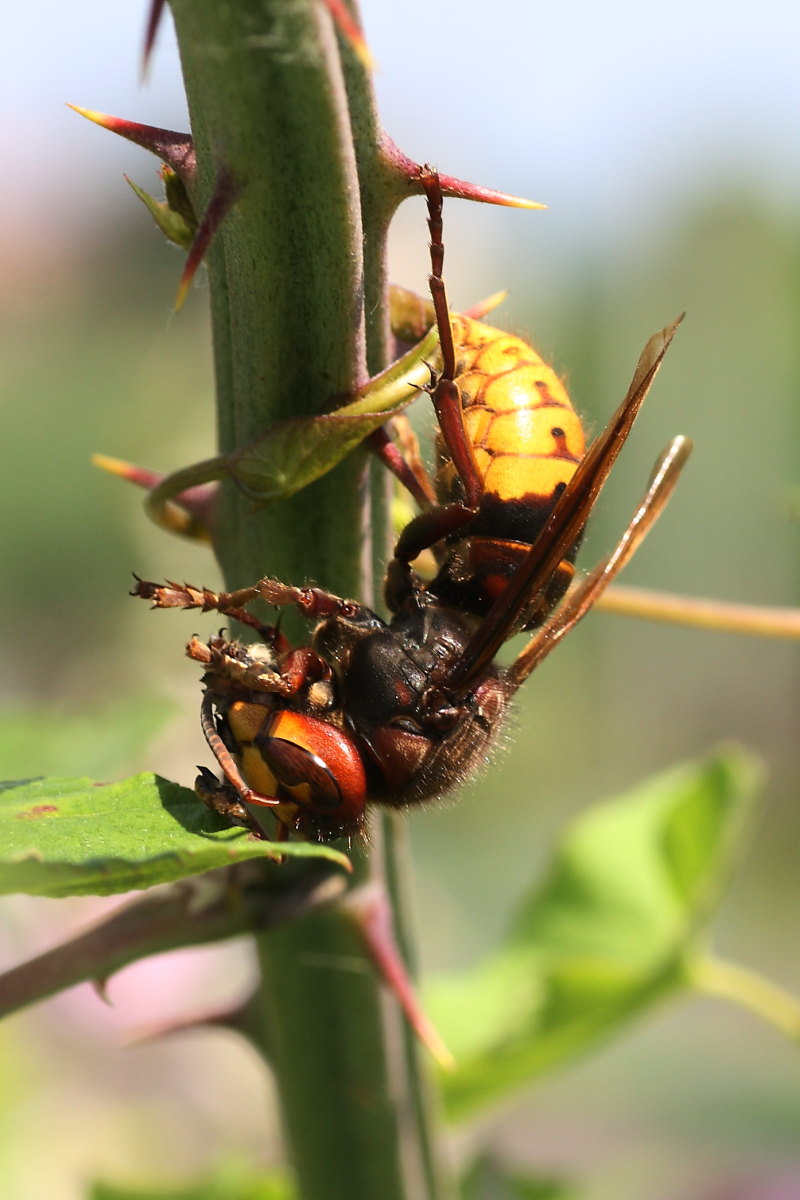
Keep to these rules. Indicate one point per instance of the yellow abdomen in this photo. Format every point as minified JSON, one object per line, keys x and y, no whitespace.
{"x":526,"y":437}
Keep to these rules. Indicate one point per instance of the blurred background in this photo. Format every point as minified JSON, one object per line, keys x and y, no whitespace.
{"x":665,"y":144}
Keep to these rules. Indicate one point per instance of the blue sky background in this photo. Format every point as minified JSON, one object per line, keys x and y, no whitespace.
{"x":602,"y":111}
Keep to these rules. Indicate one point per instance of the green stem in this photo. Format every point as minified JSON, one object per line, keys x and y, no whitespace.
{"x":728,"y":981}
{"x":286,"y":270}
{"x":274,"y":98}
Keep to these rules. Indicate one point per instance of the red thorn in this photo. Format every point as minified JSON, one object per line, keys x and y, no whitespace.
{"x":225,"y":194}
{"x":410,"y":172}
{"x":484,"y":307}
{"x":461,"y":190}
{"x":175,"y":149}
{"x":142,"y":476}
{"x":153,"y":22}
{"x":372,"y":913}
{"x":350,"y":31}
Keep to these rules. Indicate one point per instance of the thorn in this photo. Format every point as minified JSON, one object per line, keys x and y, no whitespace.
{"x":153,"y":22}
{"x":482,"y":309}
{"x":142,"y":476}
{"x":100,"y":985}
{"x":175,"y":149}
{"x":410,"y":172}
{"x":370,"y":909}
{"x":461,"y":190}
{"x":350,"y":31}
{"x":225,"y":194}
{"x":230,"y":1018}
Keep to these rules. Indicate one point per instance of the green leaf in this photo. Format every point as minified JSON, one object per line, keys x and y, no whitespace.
{"x":294,"y":453}
{"x":231,"y":1181}
{"x":68,"y":837}
{"x":488,"y":1180}
{"x":613,"y":929}
{"x":172,"y":223}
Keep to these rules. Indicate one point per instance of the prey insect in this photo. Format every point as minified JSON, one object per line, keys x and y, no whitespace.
{"x":399,"y":712}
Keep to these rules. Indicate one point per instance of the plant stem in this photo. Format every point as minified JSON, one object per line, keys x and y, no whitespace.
{"x":716,"y":977}
{"x":288,"y":112}
{"x":267,"y":101}
{"x":722,"y":616}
